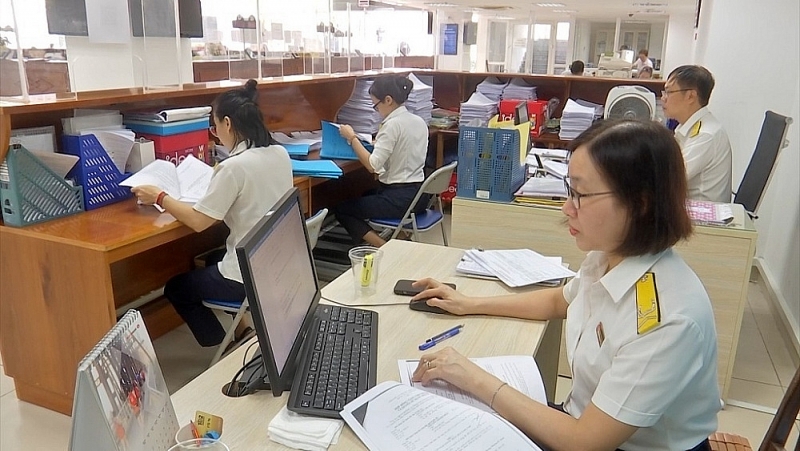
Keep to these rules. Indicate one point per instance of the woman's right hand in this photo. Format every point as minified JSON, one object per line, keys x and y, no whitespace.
{"x":443,"y":296}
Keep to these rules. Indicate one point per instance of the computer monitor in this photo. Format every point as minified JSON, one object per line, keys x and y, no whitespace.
{"x":280,"y":281}
{"x":521,"y":113}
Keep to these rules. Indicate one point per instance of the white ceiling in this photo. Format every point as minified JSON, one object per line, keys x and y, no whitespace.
{"x":596,"y":10}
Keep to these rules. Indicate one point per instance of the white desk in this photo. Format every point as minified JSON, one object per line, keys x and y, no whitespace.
{"x":400,"y":331}
{"x":721,"y":257}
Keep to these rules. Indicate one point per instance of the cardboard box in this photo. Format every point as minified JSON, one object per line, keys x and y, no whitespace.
{"x":175,"y":148}
{"x":537,"y":114}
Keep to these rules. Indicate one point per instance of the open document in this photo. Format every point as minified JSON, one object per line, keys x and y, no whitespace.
{"x":186,"y":183}
{"x":392,"y":416}
{"x":519,"y":267}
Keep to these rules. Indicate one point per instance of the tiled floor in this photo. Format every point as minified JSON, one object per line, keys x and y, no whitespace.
{"x":762,"y":370}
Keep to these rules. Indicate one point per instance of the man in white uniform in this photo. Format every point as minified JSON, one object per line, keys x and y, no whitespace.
{"x":704,"y":143}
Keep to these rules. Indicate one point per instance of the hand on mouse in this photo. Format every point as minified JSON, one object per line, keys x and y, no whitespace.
{"x":440,"y":295}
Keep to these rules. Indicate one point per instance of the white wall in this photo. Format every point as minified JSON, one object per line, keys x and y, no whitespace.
{"x":753,"y":50}
{"x":680,"y":32}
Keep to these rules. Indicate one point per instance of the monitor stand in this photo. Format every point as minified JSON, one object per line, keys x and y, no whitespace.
{"x":252,"y":379}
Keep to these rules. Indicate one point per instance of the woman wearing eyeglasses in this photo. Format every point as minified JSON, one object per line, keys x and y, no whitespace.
{"x":398,"y":158}
{"x":243,"y":189}
{"x":640,"y":331}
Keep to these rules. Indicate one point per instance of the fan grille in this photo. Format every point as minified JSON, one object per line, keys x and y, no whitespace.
{"x":630,"y":107}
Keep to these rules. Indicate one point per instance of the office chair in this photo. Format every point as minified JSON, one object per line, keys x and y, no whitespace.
{"x":756,"y":177}
{"x":239,"y":309}
{"x":435,"y":184}
{"x":778,"y":433}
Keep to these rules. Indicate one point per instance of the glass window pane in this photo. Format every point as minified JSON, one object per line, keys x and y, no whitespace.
{"x":541,"y":47}
{"x":562,"y":41}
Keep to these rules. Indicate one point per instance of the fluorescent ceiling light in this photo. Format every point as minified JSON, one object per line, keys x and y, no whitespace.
{"x":650,"y":4}
{"x":439,"y":4}
{"x":565,"y":11}
{"x":551,"y":5}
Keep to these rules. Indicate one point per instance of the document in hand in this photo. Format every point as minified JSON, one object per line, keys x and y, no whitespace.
{"x":186,"y":183}
{"x":334,"y":146}
{"x":392,"y":416}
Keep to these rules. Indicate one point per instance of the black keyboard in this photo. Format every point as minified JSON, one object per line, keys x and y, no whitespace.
{"x":339,"y":361}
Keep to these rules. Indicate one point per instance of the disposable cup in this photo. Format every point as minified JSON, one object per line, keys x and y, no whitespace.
{"x":366,"y":263}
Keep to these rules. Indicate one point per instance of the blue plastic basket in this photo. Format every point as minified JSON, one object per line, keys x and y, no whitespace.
{"x":95,"y":172}
{"x":31,"y":192}
{"x":489,"y":165}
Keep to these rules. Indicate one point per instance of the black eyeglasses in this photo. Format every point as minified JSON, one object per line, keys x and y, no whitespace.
{"x":575,"y":196}
{"x":375,"y":106}
{"x":665,"y":93}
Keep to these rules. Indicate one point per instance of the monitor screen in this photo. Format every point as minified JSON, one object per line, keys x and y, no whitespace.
{"x":281,"y":286}
{"x":521,"y":113}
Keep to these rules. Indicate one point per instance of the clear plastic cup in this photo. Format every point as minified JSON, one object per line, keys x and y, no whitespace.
{"x":366,"y":261}
{"x":204,"y":444}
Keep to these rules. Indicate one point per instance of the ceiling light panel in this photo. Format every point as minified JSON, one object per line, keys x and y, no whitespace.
{"x":551,"y":5}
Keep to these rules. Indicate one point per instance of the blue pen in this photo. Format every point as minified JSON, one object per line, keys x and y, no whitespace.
{"x":431,"y":342}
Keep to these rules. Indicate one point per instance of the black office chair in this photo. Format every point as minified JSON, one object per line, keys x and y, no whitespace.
{"x":770,"y":141}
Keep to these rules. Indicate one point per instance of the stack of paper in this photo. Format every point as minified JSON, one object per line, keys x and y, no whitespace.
{"x":317,"y":168}
{"x":543,"y":187}
{"x":519,"y":89}
{"x":492,"y":88}
{"x":515,"y":268}
{"x":171,"y":115}
{"x":420,"y":100}
{"x":299,"y":142}
{"x":575,"y":119}
{"x":358,"y":112}
{"x":477,"y":110}
{"x":709,"y":213}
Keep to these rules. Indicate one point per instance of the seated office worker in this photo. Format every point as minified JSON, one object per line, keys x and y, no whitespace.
{"x":640,"y":330}
{"x":243,"y":189}
{"x":576,"y":68}
{"x":398,"y":158}
{"x":642,"y":61}
{"x":704,"y":143}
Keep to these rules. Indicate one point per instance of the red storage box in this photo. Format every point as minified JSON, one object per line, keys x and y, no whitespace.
{"x":175,"y":148}
{"x":537,"y":113}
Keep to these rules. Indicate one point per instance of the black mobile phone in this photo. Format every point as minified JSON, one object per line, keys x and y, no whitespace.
{"x":403,"y":287}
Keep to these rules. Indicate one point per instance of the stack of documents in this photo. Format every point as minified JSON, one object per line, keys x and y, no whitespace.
{"x":477,"y":110}
{"x":171,"y":115}
{"x":106,"y":126}
{"x":358,"y":112}
{"x":492,"y":88}
{"x":519,"y":89}
{"x":575,"y":119}
{"x":420,"y":100}
{"x":317,"y":168}
{"x":299,"y":142}
{"x":515,"y":268}
{"x":543,"y":187}
{"x":709,"y":213}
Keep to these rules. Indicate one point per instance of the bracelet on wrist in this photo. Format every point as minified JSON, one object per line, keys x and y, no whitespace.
{"x":494,"y":395}
{"x":160,"y":198}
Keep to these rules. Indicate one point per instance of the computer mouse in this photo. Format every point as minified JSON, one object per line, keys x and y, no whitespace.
{"x":422,"y":306}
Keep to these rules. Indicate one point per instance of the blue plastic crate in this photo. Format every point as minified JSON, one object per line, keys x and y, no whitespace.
{"x":31,"y":192}
{"x":95,"y":172}
{"x":489,"y":165}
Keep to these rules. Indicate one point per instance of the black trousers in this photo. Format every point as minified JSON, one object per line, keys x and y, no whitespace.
{"x":186,"y":292}
{"x":388,"y":201}
{"x":703,"y":446}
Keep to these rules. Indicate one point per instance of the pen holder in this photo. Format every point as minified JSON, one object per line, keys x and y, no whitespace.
{"x":366,"y":261}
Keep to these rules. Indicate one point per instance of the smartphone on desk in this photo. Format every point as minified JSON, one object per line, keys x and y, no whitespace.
{"x":403,"y":287}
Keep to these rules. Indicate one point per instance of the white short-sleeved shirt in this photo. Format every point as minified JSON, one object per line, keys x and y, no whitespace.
{"x":663,"y":381}
{"x":244,"y":187}
{"x":639,"y":64}
{"x":400,"y":148}
{"x":707,"y":155}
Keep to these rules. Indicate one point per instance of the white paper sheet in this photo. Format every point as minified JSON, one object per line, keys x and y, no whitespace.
{"x":160,"y":173}
{"x":59,"y":163}
{"x":519,"y":371}
{"x":117,"y":143}
{"x":520,"y":267}
{"x":391,"y":416}
{"x":186,"y":183}
{"x":194,"y":177}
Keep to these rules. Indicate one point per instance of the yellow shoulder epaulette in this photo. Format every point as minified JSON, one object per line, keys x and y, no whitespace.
{"x":695,"y":129}
{"x":648,"y":312}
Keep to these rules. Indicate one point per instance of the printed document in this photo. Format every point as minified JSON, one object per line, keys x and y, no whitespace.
{"x":519,"y":267}
{"x":392,"y":416}
{"x":186,"y":183}
{"x":519,"y":371}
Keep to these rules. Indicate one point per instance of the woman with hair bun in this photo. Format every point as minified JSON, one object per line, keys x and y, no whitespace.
{"x":398,"y":158}
{"x":243,"y":189}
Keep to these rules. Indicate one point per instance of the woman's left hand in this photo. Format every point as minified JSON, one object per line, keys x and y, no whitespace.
{"x":147,"y":194}
{"x":450,"y":366}
{"x":347,"y":132}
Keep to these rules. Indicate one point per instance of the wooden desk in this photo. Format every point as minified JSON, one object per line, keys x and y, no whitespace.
{"x":721,"y":256}
{"x":400,"y":331}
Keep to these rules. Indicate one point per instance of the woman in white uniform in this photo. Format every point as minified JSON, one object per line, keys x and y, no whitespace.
{"x":243,"y":189}
{"x":639,"y":326}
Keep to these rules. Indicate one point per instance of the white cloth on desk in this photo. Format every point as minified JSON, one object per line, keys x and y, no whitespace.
{"x":304,"y":432}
